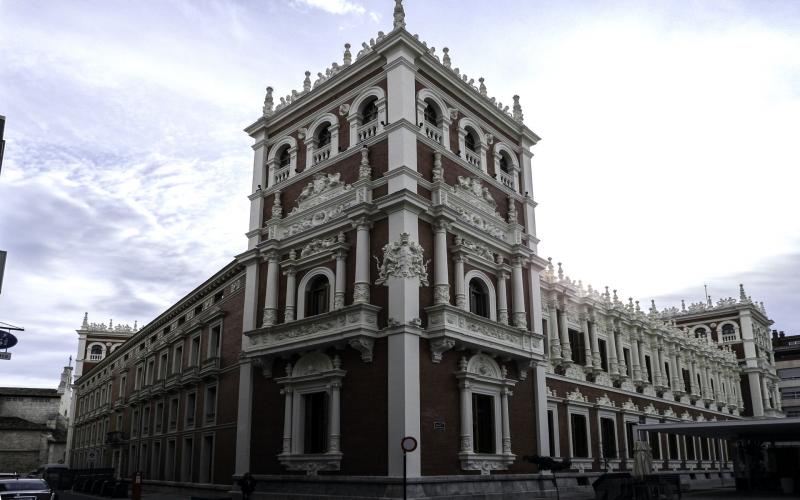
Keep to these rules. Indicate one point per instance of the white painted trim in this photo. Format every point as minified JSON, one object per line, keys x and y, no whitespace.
{"x":556,"y":434}
{"x":283,"y":141}
{"x":300,"y":312}
{"x":355,"y":107}
{"x":501,"y":147}
{"x":572,"y":410}
{"x":613,"y":416}
{"x":474,"y":273}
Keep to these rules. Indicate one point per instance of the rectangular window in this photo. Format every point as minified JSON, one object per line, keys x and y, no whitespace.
{"x":194,"y":353}
{"x":666,"y":374}
{"x":151,"y":368}
{"x":186,"y":460}
{"x":163,"y":365}
{"x":139,"y":376}
{"x":119,"y":423}
{"x":672,"y":441}
{"x":191,"y":408}
{"x":155,"y":472}
{"x":159,"y":424}
{"x":483,"y":423}
{"x":608,"y":436}
{"x":146,"y":420}
{"x":690,"y":448}
{"x":577,"y":347}
{"x":687,"y":386}
{"x":135,"y":423}
{"x":169,"y":469}
{"x":626,"y":353}
{"x":649,"y":369}
{"x":580,"y":436}
{"x":704,"y":448}
{"x":211,"y":403}
{"x":655,"y":444}
{"x":173,"y":414}
{"x":207,"y":460}
{"x":629,"y":435}
{"x":551,"y":433}
{"x":177,"y":361}
{"x":215,"y":338}
{"x":315,"y":430}
{"x":601,"y":346}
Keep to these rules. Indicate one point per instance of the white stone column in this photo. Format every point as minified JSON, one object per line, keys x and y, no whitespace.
{"x":586,"y":341}
{"x":675,"y":367}
{"x":623,"y":367}
{"x":612,"y":350}
{"x":518,"y":294}
{"x":566,"y":348}
{"x":461,"y":294}
{"x":552,"y":333}
{"x":502,"y":300}
{"x":540,"y":409}
{"x":765,"y":393}
{"x":506,"y":429}
{"x":244,"y":417}
{"x":441,"y":280}
{"x":271,"y":296}
{"x":662,"y":376}
{"x":287,"y":419}
{"x":595,"y":346}
{"x":362,"y":283}
{"x":291,"y":294}
{"x":338,"y":296}
{"x":636,"y":367}
{"x":643,"y":360}
{"x":334,"y":441}
{"x":466,"y":416}
{"x":693,"y":374}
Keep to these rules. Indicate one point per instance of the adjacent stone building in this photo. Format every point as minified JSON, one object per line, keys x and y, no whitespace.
{"x":33,"y":425}
{"x":392,"y":287}
{"x":787,"y":364}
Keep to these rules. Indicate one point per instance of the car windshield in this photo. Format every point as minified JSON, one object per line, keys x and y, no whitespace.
{"x":23,"y":485}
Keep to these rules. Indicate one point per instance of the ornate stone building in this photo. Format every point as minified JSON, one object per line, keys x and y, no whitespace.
{"x":392,"y":287}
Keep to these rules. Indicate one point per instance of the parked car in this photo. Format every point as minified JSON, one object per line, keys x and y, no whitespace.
{"x":58,"y":476}
{"x":27,"y":488}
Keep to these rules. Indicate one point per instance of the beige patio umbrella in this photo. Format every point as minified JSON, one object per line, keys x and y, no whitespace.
{"x":642,"y":459}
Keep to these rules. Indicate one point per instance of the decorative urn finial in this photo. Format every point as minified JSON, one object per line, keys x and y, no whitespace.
{"x":348,"y":57}
{"x":399,"y":15}
{"x":85,"y":320}
{"x":482,"y":87}
{"x":518,"y":116}
{"x":446,"y":57}
{"x":268,"y":103}
{"x":307,"y":82}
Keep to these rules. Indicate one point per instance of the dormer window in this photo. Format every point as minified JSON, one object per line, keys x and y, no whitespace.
{"x":430,"y":114}
{"x":370,"y":112}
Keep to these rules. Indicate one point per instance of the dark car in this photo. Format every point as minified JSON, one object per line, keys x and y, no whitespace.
{"x":26,"y":489}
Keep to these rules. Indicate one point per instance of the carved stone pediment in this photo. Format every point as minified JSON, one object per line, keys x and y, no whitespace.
{"x":472,"y":189}
{"x":630,"y":405}
{"x":576,"y":395}
{"x":476,"y":248}
{"x":604,"y":400}
{"x":318,"y":245}
{"x":650,"y":409}
{"x":323,"y":187}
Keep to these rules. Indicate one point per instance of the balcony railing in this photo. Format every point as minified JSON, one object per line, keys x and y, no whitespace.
{"x":281,"y":175}
{"x":433,"y":132}
{"x":322,"y":154}
{"x":450,"y":322}
{"x":210,"y":367}
{"x":506,"y":179}
{"x":473,"y":158}
{"x":367,"y":130}
{"x":349,"y":322}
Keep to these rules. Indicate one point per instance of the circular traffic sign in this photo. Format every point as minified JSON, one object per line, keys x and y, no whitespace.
{"x":7,"y":340}
{"x":408,"y":444}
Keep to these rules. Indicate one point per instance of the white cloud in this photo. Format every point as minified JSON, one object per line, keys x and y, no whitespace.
{"x":332,"y":6}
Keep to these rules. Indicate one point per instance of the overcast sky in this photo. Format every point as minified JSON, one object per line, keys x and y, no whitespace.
{"x":669,"y":155}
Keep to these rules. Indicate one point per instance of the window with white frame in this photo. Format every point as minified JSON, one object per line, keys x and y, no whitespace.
{"x":191,"y":409}
{"x":214,"y":340}
{"x":481,"y":295}
{"x":580,"y":445}
{"x":552,"y":430}
{"x":194,"y":351}
{"x":367,"y":115}
{"x":210,"y":403}
{"x":281,"y":163}
{"x":96,"y":352}
{"x":729,"y":333}
{"x":506,"y":166}
{"x":608,"y":436}
{"x":322,"y":142}
{"x":315,"y":292}
{"x":311,"y":434}
{"x":177,"y":359}
{"x":433,"y":117}
{"x":472,"y":143}
{"x":484,"y":392}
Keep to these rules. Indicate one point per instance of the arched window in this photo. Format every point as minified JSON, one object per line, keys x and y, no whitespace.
{"x":96,"y":352}
{"x":317,"y":296}
{"x":478,"y":297}
{"x":370,"y":112}
{"x":284,"y":157}
{"x":324,"y":136}
{"x":504,"y":162}
{"x":430,"y":114}
{"x":469,"y":141}
{"x":728,"y":332}
{"x":700,"y":333}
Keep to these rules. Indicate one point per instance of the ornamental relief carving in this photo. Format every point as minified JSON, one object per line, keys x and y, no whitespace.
{"x":402,"y":259}
{"x":478,"y":249}
{"x":318,"y":218}
{"x":323,"y":187}
{"x":318,"y":245}
{"x":472,"y":189}
{"x":486,"y":330}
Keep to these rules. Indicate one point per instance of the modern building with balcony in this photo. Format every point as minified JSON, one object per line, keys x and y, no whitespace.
{"x":392,"y":287}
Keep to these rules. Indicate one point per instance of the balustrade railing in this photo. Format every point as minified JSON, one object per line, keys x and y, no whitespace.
{"x":281,"y":175}
{"x":433,"y":132}
{"x":322,"y":154}
{"x":367,"y":130}
{"x":472,"y":158}
{"x":506,"y":179}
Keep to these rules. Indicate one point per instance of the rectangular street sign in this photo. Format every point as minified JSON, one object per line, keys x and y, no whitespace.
{"x":5,"y":355}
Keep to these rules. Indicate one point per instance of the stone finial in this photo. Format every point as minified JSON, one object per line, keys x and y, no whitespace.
{"x":307,"y":82}
{"x":85,"y":320}
{"x":560,"y":272}
{"x":517,"y":110}
{"x":482,"y":87}
{"x":446,"y":57}
{"x":110,"y":324}
{"x":616,"y":298}
{"x":683,"y":305}
{"x":638,"y":308}
{"x":607,"y":295}
{"x":267,"y":110}
{"x":630,"y":303}
{"x":348,"y":57}
{"x":399,"y":15}
{"x":135,"y":325}
{"x":709,"y":301}
{"x":742,"y":295}
{"x":653,"y":308}
{"x":438,"y":171}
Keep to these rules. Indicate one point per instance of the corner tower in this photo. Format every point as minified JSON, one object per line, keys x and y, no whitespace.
{"x":392,"y":273}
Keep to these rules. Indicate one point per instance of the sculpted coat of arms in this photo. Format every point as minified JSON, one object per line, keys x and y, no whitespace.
{"x":402,"y":259}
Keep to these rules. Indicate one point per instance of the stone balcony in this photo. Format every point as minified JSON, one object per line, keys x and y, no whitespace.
{"x":342,"y":326}
{"x":210,"y":367}
{"x":447,"y":322}
{"x":173,"y":381}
